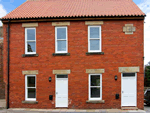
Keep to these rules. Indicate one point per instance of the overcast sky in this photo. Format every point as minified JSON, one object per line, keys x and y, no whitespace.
{"x":7,"y":6}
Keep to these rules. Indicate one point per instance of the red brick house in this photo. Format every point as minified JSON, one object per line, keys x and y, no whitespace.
{"x":75,"y":54}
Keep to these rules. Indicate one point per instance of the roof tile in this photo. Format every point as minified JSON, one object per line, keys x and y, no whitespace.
{"x":74,"y":8}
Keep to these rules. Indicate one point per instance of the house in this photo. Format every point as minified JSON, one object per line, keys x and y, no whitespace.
{"x":74,"y":54}
{"x":2,"y":84}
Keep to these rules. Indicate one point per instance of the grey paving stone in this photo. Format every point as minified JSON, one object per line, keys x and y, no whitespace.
{"x":71,"y":111}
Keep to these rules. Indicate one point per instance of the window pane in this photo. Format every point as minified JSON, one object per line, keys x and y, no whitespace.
{"x":31,"y":93}
{"x":31,"y":81}
{"x":128,"y":74}
{"x":31,"y":47}
{"x":61,"y":33}
{"x":94,"y":32}
{"x":62,"y":76}
{"x":61,"y":45}
{"x":95,"y":92}
{"x":94,"y":45}
{"x":30,"y":34}
{"x":95,"y":80}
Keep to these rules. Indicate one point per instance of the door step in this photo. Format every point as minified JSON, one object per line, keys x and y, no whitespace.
{"x":129,"y":108}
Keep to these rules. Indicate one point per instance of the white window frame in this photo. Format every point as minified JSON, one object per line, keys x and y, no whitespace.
{"x":95,"y":86}
{"x":26,"y":41}
{"x":61,"y":40}
{"x":100,"y":41}
{"x":26,"y":88}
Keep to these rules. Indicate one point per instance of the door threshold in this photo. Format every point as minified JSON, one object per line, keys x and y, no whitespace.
{"x":129,"y":108}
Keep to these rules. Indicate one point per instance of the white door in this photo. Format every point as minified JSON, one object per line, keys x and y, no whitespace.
{"x":61,"y":90}
{"x":129,"y":84}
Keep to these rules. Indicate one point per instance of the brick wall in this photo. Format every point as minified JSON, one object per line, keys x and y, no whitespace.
{"x":120,"y":51}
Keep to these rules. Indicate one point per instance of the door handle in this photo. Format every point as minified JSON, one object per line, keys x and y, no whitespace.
{"x":56,"y":92}
{"x":122,"y":91}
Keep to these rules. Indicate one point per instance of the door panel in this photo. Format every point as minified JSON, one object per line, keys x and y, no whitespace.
{"x":61,"y":91}
{"x":129,"y":89}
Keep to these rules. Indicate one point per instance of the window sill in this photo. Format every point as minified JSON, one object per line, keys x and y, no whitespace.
{"x":29,"y":102}
{"x":30,"y":55}
{"x":95,"y":53}
{"x":95,"y":101}
{"x":61,"y":54}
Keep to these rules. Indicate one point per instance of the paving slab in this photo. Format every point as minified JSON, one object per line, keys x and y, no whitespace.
{"x":55,"y":110}
{"x":141,"y":111}
{"x":92,"y":111}
{"x":80,"y":111}
{"x":71,"y":110}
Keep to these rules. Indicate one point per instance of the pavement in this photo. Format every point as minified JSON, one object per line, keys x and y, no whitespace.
{"x":20,"y":110}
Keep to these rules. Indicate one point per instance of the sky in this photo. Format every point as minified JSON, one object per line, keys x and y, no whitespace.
{"x":7,"y":6}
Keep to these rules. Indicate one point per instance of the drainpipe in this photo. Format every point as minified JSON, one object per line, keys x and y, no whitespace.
{"x":8,"y":35}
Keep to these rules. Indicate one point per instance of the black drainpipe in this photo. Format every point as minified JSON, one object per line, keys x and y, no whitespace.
{"x":8,"y":35}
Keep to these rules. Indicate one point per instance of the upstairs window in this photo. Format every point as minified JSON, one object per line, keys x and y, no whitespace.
{"x":30,"y":40}
{"x":94,"y":38}
{"x":61,"y":40}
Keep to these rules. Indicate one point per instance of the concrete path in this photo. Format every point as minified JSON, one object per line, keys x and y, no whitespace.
{"x":69,"y":111}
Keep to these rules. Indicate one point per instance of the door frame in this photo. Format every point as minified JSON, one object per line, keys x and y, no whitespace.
{"x":55,"y":89}
{"x":135,"y":84}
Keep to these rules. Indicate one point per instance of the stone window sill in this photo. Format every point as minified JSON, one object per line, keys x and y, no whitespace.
{"x":95,"y":101}
{"x":61,"y":54}
{"x":95,"y":53}
{"x":29,"y":102}
{"x":30,"y":55}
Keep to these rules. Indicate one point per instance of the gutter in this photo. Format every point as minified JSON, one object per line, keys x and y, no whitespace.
{"x":8,"y":35}
{"x":73,"y":17}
